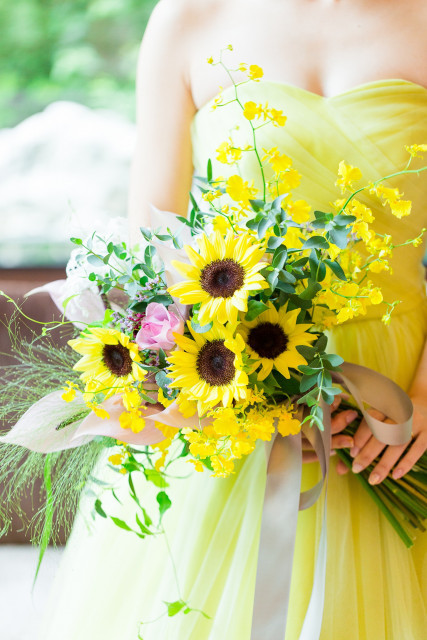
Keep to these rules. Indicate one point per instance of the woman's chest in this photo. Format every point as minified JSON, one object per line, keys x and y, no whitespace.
{"x":324,"y":48}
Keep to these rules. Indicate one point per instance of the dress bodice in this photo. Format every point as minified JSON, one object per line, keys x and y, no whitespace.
{"x":367,"y":126}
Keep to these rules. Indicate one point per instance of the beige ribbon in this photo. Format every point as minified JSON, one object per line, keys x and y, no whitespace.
{"x":283,"y":500}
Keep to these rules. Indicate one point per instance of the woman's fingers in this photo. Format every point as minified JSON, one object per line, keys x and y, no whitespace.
{"x":415,"y":452}
{"x":341,"y":441}
{"x":387,"y":461}
{"x":342,"y":468}
{"x":342,"y":419}
{"x":363,"y":433}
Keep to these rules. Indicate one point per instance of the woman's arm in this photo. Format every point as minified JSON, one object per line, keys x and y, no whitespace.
{"x":162,"y":166}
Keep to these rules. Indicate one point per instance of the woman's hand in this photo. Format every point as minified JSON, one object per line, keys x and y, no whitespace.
{"x":366,"y":447}
{"x":340,"y":421}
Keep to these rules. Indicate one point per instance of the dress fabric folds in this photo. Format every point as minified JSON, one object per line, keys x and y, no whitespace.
{"x":110,"y":580}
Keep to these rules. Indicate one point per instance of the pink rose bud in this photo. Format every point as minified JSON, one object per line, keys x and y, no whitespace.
{"x":158,"y":327}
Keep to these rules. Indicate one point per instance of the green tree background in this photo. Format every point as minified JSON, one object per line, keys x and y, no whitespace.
{"x":81,"y":50}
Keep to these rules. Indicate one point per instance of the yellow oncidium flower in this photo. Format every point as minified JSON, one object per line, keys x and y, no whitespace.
{"x":208,"y":367}
{"x":252,"y":110}
{"x":376,"y":296}
{"x":391,"y":196}
{"x":163,"y":446}
{"x":355,"y":208}
{"x":221,"y":276}
{"x":299,"y":211}
{"x":211,"y":195}
{"x":272,"y":340}
{"x":255,"y":72}
{"x":132,"y":420}
{"x":69,"y":391}
{"x":287,"y":423}
{"x":98,"y":410}
{"x":377,"y":266}
{"x":240,"y":190}
{"x":278,"y":161}
{"x":198,"y":466}
{"x":110,"y":360}
{"x":227,"y":153}
{"x":415,"y":150}
{"x":347,"y":174}
{"x":221,"y":224}
{"x":277,"y":118}
{"x":289,"y":180}
{"x":222,"y":466}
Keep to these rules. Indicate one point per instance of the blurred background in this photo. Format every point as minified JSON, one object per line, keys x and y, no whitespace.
{"x":67,"y":91}
{"x":67,"y":72}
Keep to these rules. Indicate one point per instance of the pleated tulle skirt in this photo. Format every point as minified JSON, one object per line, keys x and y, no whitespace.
{"x":110,"y":580}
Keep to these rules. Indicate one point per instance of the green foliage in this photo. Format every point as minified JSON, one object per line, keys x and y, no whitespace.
{"x":85,"y":50}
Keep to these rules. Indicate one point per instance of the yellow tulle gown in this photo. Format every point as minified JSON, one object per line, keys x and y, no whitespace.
{"x":110,"y":580}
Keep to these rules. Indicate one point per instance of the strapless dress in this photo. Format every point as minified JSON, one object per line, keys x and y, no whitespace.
{"x":110,"y":580}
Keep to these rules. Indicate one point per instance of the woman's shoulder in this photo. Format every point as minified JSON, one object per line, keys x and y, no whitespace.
{"x":187,"y":14}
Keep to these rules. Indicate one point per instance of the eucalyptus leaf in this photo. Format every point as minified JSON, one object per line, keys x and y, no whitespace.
{"x":255,"y":308}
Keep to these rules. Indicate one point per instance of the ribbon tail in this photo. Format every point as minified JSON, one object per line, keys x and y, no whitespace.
{"x":277,"y":540}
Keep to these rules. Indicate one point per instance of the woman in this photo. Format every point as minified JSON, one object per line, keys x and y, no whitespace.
{"x":331,"y":66}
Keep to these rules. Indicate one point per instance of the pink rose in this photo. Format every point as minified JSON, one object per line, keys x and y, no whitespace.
{"x":158,"y":327}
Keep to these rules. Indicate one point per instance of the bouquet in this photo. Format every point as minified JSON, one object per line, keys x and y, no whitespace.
{"x":206,"y":339}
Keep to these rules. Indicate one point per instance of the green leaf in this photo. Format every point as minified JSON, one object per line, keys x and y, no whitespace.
{"x":343,"y":220}
{"x":315,"y":242}
{"x":286,"y":276}
{"x":175,"y":607}
{"x":339,"y":236}
{"x":333,"y":359}
{"x":321,"y":343}
{"x":48,"y":515}
{"x":164,"y":502}
{"x":157,"y":478}
{"x":120,"y":523}
{"x":162,"y":379}
{"x":272,"y":279}
{"x":274,"y":242}
{"x":149,"y":272}
{"x":310,"y":291}
{"x":200,"y":328}
{"x":307,"y":352}
{"x":77,"y":241}
{"x":336,"y":269}
{"x":285,"y":287}
{"x":142,"y":527}
{"x":257,"y":205}
{"x":264,"y":224}
{"x":279,"y":257}
{"x":255,"y":308}
{"x":307,"y":382}
{"x":209,"y":170}
{"x":95,"y":260}
{"x":98,"y":508}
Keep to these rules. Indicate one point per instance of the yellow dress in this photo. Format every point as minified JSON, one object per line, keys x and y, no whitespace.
{"x":110,"y":580}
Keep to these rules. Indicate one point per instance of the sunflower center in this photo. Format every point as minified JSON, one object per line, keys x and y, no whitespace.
{"x":117,"y":359}
{"x":215,"y":363}
{"x":221,"y":278}
{"x":268,"y":340}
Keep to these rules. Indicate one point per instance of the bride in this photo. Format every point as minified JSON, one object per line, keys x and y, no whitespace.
{"x":350,"y":77}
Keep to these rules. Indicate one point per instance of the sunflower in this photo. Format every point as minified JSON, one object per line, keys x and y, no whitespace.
{"x":221,"y":276}
{"x":109,"y":362}
{"x":272,"y":338}
{"x":208,"y":367}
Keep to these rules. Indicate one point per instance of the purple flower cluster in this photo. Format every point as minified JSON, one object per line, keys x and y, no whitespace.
{"x":130,"y":323}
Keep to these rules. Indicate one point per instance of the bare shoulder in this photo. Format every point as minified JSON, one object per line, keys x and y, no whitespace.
{"x":183,"y":17}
